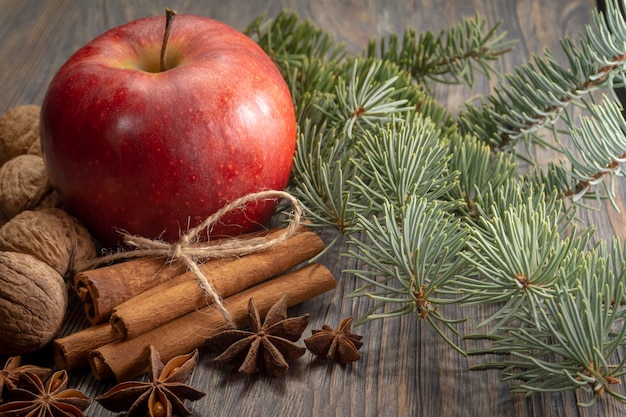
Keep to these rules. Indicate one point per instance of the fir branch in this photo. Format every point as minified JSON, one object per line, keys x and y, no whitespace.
{"x":435,"y":217}
{"x":600,"y":143}
{"x":520,"y":255}
{"x":314,"y":64}
{"x":363,"y":102}
{"x":576,"y":343}
{"x":331,"y":159}
{"x":599,"y":150}
{"x":400,"y":159}
{"x":556,"y":179}
{"x":311,"y":76}
{"x":307,"y":56}
{"x":321,"y":168}
{"x":520,"y":191}
{"x":410,"y":255}
{"x":536,"y":94}
{"x":453,"y":56}
{"x":478,"y":169}
{"x":575,"y":346}
{"x":290,"y":41}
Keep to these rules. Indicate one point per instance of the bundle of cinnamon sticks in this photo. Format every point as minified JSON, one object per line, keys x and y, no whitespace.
{"x":142,"y":302}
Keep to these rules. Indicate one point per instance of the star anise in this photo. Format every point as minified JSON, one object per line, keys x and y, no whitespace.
{"x":32,"y":399}
{"x":265,"y":347}
{"x":163,"y":395}
{"x":340,"y":345}
{"x":10,"y":374}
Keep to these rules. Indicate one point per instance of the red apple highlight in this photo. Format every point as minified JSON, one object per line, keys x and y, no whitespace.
{"x":130,"y":147}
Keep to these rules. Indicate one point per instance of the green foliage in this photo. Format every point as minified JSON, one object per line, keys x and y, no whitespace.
{"x":291,"y":42}
{"x":575,"y":343}
{"x":401,"y":159}
{"x":415,"y":249}
{"x":520,"y":254}
{"x":435,"y":208}
{"x":322,"y":167}
{"x":494,"y":171}
{"x":538,"y":94}
{"x":366,"y":100}
{"x":600,"y":145}
{"x":453,"y":56}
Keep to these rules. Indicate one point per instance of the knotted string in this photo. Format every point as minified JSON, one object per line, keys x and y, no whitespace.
{"x":189,"y":250}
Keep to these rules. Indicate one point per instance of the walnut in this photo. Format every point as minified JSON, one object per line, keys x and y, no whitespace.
{"x":24,"y":185}
{"x":19,"y":131}
{"x":50,"y":235}
{"x":33,"y":303}
{"x":35,"y":149}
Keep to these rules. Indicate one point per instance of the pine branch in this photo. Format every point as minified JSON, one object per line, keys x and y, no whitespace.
{"x":478,"y":169}
{"x":403,"y":158}
{"x":410,"y":255}
{"x":518,"y":253}
{"x":537,"y":94}
{"x":364,"y":102}
{"x":453,"y":56}
{"x":575,"y":344}
{"x":290,"y":41}
{"x":321,"y":168}
{"x":435,"y":217}
{"x":600,"y":145}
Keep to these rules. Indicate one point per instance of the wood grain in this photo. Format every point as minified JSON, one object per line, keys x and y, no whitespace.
{"x":406,"y":369}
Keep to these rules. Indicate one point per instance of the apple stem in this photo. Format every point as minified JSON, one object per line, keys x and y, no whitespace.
{"x":169,"y":19}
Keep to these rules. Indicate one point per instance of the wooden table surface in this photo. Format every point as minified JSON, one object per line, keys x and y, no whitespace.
{"x":406,"y":369}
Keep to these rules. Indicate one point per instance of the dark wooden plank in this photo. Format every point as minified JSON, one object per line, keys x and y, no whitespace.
{"x":406,"y":370}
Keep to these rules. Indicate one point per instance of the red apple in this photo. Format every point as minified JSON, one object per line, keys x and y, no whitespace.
{"x":153,"y":152}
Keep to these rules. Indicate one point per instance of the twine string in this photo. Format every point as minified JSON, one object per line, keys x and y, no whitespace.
{"x":189,"y":250}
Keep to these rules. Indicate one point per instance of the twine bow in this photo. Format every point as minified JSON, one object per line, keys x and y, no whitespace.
{"x":189,"y":250}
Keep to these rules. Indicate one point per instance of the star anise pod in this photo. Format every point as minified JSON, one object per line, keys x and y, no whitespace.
{"x":10,"y":374}
{"x":265,"y":347}
{"x":162,"y":396}
{"x":31,"y":398}
{"x":340,"y":345}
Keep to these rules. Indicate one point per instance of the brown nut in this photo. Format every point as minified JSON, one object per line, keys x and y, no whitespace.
{"x":24,"y":185}
{"x":50,"y":235}
{"x":19,"y":131}
{"x":33,"y":303}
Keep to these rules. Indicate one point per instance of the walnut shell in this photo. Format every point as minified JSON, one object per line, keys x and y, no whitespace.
{"x":24,"y":185}
{"x":33,"y":303}
{"x":19,"y":131}
{"x":50,"y":235}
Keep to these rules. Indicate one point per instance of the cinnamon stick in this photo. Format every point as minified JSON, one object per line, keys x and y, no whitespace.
{"x":129,"y":358}
{"x":104,"y":288}
{"x":72,"y":351}
{"x":181,"y":294}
